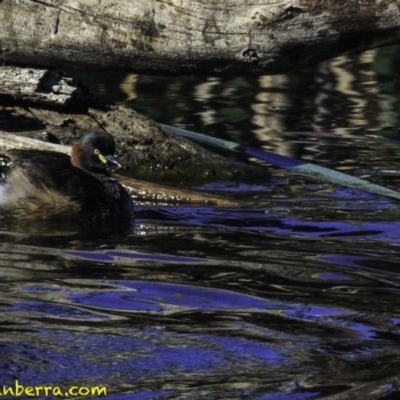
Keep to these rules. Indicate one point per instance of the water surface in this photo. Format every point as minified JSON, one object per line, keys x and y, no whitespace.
{"x":294,"y":295}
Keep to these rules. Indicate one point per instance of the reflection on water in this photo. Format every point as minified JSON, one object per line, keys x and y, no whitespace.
{"x":227,"y":303}
{"x":294,"y":295}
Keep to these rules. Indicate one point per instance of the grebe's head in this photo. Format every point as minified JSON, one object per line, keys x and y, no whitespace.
{"x":94,"y":152}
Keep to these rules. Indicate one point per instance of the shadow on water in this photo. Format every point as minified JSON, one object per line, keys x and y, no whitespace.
{"x":293,"y":296}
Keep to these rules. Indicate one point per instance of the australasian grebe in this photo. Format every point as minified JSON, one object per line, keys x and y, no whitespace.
{"x":52,"y":185}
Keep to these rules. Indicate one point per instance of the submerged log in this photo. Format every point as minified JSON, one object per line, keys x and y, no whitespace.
{"x":192,"y":36}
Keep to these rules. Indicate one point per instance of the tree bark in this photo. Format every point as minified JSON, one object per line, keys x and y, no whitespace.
{"x":192,"y":36}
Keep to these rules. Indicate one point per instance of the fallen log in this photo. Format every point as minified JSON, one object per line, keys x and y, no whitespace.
{"x":192,"y":36}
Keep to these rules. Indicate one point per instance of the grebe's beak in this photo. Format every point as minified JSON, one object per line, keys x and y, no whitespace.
{"x":112,"y":162}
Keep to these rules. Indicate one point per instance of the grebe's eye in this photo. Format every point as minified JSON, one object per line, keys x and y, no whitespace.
{"x":96,"y":152}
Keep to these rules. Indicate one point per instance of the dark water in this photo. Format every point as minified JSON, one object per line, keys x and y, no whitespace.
{"x":294,"y":296}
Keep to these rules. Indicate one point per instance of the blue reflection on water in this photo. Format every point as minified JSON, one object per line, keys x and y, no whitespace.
{"x":329,"y":316}
{"x":314,"y":312}
{"x":51,"y":309}
{"x":261,"y":220}
{"x":154,"y":296}
{"x":118,"y":300}
{"x":81,"y":356}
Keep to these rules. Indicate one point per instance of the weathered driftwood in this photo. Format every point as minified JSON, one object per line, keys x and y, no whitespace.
{"x":192,"y":36}
{"x":36,"y":85}
{"x":144,"y":191}
{"x":45,"y":87}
